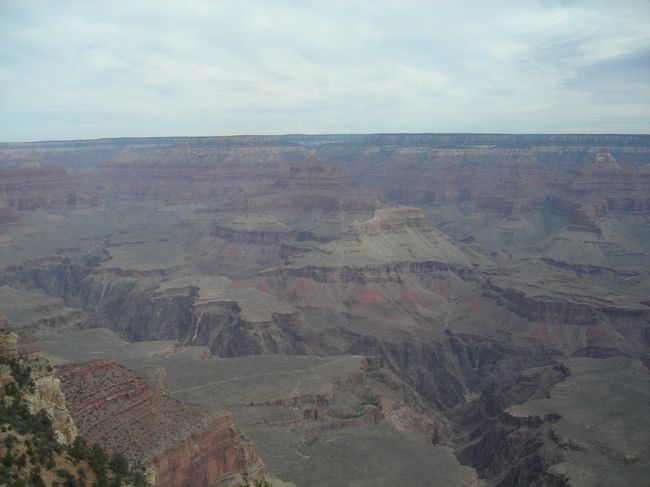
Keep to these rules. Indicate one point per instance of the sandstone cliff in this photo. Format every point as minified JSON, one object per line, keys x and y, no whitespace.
{"x":181,"y":443}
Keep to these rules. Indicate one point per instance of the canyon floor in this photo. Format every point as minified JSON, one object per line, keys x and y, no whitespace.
{"x":345,"y":310}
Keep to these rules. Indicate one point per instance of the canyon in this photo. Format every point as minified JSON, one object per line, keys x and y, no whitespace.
{"x":341,"y":310}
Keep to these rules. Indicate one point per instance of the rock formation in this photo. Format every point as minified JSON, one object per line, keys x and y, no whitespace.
{"x":197,"y":169}
{"x":29,"y":188}
{"x":46,"y":394}
{"x":48,"y":397}
{"x":393,"y":235}
{"x":314,"y":184}
{"x":181,"y":443}
{"x":510,"y":174}
{"x":521,"y":252}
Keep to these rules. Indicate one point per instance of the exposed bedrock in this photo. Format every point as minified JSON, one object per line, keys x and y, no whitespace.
{"x":216,"y":453}
{"x":559,"y":310}
{"x":263,"y":237}
{"x":614,"y":185}
{"x":506,"y":451}
{"x":509,"y":457}
{"x":441,"y":372}
{"x":141,"y":314}
{"x":312,"y":184}
{"x":30,"y":188}
{"x":581,"y":219}
{"x":390,"y":272}
{"x":136,"y":308}
{"x":55,"y":276}
{"x":444,"y":373}
{"x":509,"y":174}
{"x":228,"y":335}
{"x":132,"y":307}
{"x":182,"y":444}
{"x":561,"y":425}
{"x":197,"y":169}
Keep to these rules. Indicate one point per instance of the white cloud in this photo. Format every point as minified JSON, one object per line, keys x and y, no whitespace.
{"x":80,"y":69}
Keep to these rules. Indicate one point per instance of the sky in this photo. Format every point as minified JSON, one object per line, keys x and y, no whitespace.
{"x":88,"y":69}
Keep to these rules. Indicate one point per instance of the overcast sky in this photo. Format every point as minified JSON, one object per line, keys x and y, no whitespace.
{"x":87,"y":69}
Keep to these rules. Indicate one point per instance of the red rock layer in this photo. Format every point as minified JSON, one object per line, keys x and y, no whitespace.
{"x":500,"y":173}
{"x":193,"y":171}
{"x":203,"y":458}
{"x":614,"y":187}
{"x":30,"y":188}
{"x":182,"y":180}
{"x":316,"y":184}
{"x":179,"y":442}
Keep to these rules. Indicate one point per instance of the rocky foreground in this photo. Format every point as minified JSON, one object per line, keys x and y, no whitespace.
{"x":40,"y":445}
{"x":180,"y":443}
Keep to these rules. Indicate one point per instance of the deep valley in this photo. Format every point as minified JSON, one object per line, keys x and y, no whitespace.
{"x":362,"y":310}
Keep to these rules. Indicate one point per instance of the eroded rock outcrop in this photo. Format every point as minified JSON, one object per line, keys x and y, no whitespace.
{"x":313,"y":184}
{"x":48,"y":397}
{"x":559,"y":308}
{"x":393,"y":237}
{"x":45,"y":393}
{"x":506,"y":173}
{"x":196,"y":169}
{"x":29,"y":188}
{"x":181,"y":443}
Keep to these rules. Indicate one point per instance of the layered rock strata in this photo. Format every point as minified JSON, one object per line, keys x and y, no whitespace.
{"x":31,"y":188}
{"x":392,"y":235}
{"x":182,"y":444}
{"x":313,"y":184}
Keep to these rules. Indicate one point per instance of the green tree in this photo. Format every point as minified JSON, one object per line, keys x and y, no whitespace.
{"x":35,"y":479}
{"x":97,"y":459}
{"x":118,"y":464}
{"x":79,"y":448}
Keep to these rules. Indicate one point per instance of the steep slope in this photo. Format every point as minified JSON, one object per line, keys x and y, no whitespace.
{"x":33,"y":187}
{"x":196,"y":169}
{"x":40,"y":446}
{"x":571,"y":431}
{"x":304,"y":413}
{"x":313,"y":183}
{"x":392,"y":235}
{"x":493,"y":171}
{"x":180,"y":443}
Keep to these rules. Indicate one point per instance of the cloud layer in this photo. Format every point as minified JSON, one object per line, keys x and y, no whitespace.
{"x":84,"y":69}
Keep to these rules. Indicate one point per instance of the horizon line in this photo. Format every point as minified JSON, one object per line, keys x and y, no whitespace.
{"x":330,"y":134}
